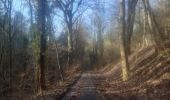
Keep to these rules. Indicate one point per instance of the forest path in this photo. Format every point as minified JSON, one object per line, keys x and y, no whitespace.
{"x":85,"y":88}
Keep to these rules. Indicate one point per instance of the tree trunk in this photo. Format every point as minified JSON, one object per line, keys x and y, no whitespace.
{"x":100,"y":41}
{"x":31,"y":20}
{"x":130,"y":23}
{"x":124,"y":56}
{"x":58,"y":63}
{"x":31,"y":12}
{"x":70,"y":43}
{"x":40,"y":73}
{"x":145,"y":42}
{"x":10,"y":40}
{"x":154,"y":27}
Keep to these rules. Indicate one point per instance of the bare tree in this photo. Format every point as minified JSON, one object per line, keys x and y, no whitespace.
{"x":154,"y":27}
{"x":130,"y":23}
{"x":31,"y":12}
{"x":99,"y":25}
{"x":70,"y":9}
{"x":58,"y":62}
{"x":123,"y":49}
{"x":98,"y":28}
{"x":8,"y":30}
{"x":40,"y":74}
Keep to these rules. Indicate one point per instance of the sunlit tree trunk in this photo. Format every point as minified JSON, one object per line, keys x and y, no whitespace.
{"x":145,"y":31}
{"x":123,"y":50}
{"x":58,"y":63}
{"x":70,"y":41}
{"x":154,"y":27}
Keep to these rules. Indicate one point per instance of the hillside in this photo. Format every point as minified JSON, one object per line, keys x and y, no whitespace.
{"x":150,"y":78}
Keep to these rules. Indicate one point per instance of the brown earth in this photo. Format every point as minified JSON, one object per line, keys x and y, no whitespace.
{"x":149,"y":80}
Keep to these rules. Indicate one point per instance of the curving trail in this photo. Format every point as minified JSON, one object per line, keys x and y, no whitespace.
{"x":85,"y":88}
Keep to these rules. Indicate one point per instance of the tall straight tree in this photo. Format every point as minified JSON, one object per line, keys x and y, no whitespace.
{"x":40,"y":72}
{"x":31,"y":9}
{"x":99,"y":25}
{"x":158,"y":36}
{"x":130,"y":23}
{"x":70,"y":9}
{"x":8,"y":29}
{"x":123,"y":49}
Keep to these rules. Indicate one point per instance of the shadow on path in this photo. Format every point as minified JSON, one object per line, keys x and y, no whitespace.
{"x":84,"y":89}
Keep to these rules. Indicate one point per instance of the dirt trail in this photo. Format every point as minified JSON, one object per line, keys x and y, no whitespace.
{"x":85,"y":89}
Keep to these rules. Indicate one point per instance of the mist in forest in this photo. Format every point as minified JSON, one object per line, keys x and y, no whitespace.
{"x":84,"y":50}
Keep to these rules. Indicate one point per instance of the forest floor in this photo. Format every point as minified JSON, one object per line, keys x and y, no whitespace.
{"x":85,"y":88}
{"x":150,"y":80}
